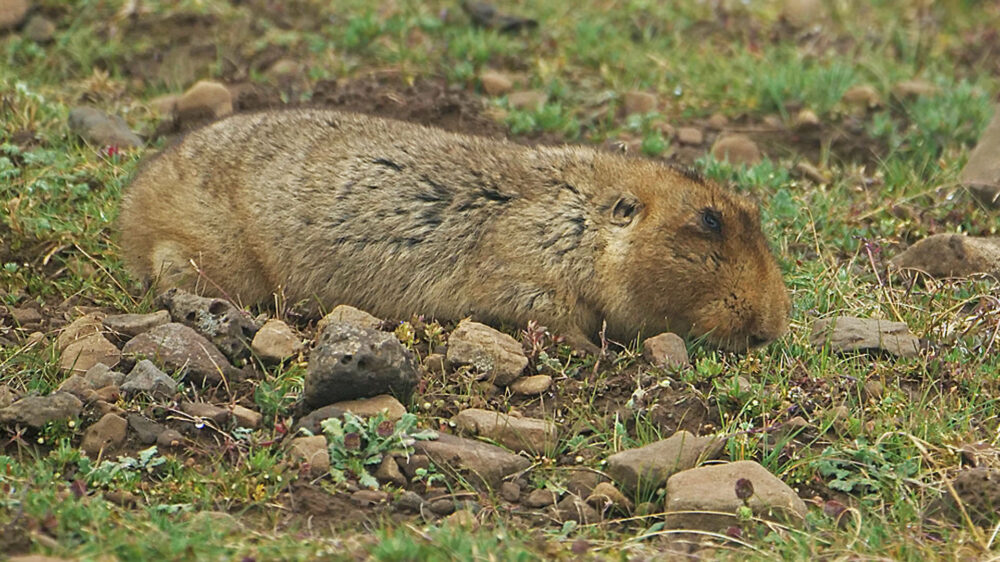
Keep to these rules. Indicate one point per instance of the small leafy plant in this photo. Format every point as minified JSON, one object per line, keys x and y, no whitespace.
{"x":356,"y":443}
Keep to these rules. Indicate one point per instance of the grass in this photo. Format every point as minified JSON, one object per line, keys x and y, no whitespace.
{"x":884,"y":453}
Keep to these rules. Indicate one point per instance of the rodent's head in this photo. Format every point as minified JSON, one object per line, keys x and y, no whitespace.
{"x":694,"y":258}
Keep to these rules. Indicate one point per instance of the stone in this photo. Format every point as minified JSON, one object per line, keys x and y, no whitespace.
{"x":510,"y":491}
{"x":217,"y":414}
{"x":388,"y":472}
{"x":79,"y":387}
{"x":806,"y":119}
{"x":275,"y":341}
{"x":100,"y":129}
{"x":35,"y":338}
{"x":914,"y":88}
{"x":518,"y":434}
{"x":705,"y":498}
{"x":803,"y":14}
{"x":7,"y":396}
{"x":312,"y":421}
{"x":343,"y":314}
{"x":736,"y":149}
{"x":169,"y":438}
{"x":82,"y":327}
{"x":411,"y":463}
{"x":205,"y":100}
{"x":480,"y":463}
{"x":81,"y":355}
{"x":434,"y":363}
{"x":368,"y":498}
{"x":12,"y":13}
{"x":351,"y":362}
{"x":647,"y":468}
{"x":245,"y":417}
{"x":637,"y":102}
{"x":849,"y":334}
{"x":531,"y":386}
{"x":26,"y":316}
{"x":717,"y":121}
{"x":495,"y":83}
{"x":131,"y":325}
{"x":109,"y":393}
{"x":312,"y":451}
{"x":100,"y":375}
{"x":541,"y":498}
{"x":981,"y":174}
{"x":146,"y":378}
{"x":409,"y":501}
{"x":370,"y":407}
{"x":690,"y":136}
{"x":443,"y":506}
{"x":227,"y":327}
{"x":496,"y":355}
{"x":572,"y":508}
{"x":106,"y":435}
{"x":666,"y":350}
{"x":951,"y":255}
{"x":605,"y":494}
{"x":863,"y":95}
{"x":527,"y":100}
{"x":582,"y":482}
{"x":39,"y":29}
{"x":146,"y":430}
{"x":179,"y":348}
{"x":978,"y":495}
{"x":36,"y":411}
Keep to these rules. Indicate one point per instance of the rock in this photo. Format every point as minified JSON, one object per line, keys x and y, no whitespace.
{"x":863,"y":96}
{"x":169,"y":438}
{"x":104,"y":436}
{"x":35,"y":338}
{"x":914,"y":89}
{"x":369,"y":407}
{"x":981,"y":174}
{"x":605,"y":494}
{"x":36,"y":411}
{"x":410,"y":464}
{"x":583,"y":482}
{"x":181,"y":349}
{"x":462,"y":518}
{"x":100,"y":375}
{"x":388,"y":472}
{"x":84,"y":326}
{"x":131,"y":325}
{"x":434,"y":363}
{"x":807,"y":119}
{"x":7,"y":396}
{"x":109,"y":393}
{"x":443,"y":506}
{"x":25,"y":316}
{"x":146,"y":430}
{"x":12,"y":13}
{"x":206,"y":411}
{"x":541,"y":498}
{"x":531,"y":386}
{"x":83,"y":354}
{"x":572,"y":508}
{"x":484,"y":14}
{"x":803,"y":14}
{"x":312,"y":451}
{"x":368,"y":498}
{"x":275,"y":341}
{"x":227,"y":327}
{"x":350,"y":362}
{"x":39,"y":29}
{"x":480,"y":463}
{"x":638,"y":102}
{"x":693,"y":493}
{"x":312,"y":421}
{"x":100,"y":129}
{"x":666,"y":350}
{"x":847,"y":333}
{"x":409,"y":501}
{"x":495,"y":83}
{"x":690,"y":135}
{"x":79,"y":387}
{"x":285,"y":69}
{"x":147,"y":379}
{"x":647,"y":468}
{"x":978,"y":491}
{"x":494,"y":354}
{"x":205,"y":100}
{"x":527,"y":100}
{"x":245,"y":417}
{"x":951,"y":255}
{"x":736,"y":149}
{"x":717,"y":121}
{"x":343,"y":314}
{"x":510,"y":491}
{"x":518,"y":434}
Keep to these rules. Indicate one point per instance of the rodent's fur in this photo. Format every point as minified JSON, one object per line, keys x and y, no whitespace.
{"x":396,"y":219}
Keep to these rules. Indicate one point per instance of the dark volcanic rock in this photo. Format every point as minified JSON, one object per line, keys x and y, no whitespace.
{"x":229,"y":328}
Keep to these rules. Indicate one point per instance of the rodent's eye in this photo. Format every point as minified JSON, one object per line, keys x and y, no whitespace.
{"x":711,"y":219}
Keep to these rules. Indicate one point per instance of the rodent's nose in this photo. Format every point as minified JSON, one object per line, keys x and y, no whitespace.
{"x":756,"y":340}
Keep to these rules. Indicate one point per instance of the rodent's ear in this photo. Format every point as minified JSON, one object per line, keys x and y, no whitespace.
{"x":625,"y":209}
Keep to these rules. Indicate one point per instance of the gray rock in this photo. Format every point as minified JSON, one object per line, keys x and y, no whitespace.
{"x":541,"y":498}
{"x":131,"y":325}
{"x":99,"y":128}
{"x":572,"y":508}
{"x":207,"y":411}
{"x":12,"y":13}
{"x":169,"y":438}
{"x":480,"y":463}
{"x":83,"y":354}
{"x":510,"y":491}
{"x":351,"y":362}
{"x":245,"y":417}
{"x":494,"y":354}
{"x":106,"y":435}
{"x":312,"y":421}
{"x":411,"y":463}
{"x":312,"y":451}
{"x":39,"y":29}
{"x":83,"y":327}
{"x":36,"y":411}
{"x":179,"y":348}
{"x":648,"y":468}
{"x":25,"y":316}
{"x":847,"y":333}
{"x":275,"y":341}
{"x":666,"y":350}
{"x":100,"y":376}
{"x":703,"y":498}
{"x":518,"y":434}
{"x":409,"y":501}
{"x":227,"y":327}
{"x":583,"y":482}
{"x":442,"y":507}
{"x":981,"y":174}
{"x":146,"y":430}
{"x":388,"y":472}
{"x":79,"y":387}
{"x":531,"y":386}
{"x":145,"y":378}
{"x":951,"y":255}
{"x":344,"y":314}
{"x":736,"y":149}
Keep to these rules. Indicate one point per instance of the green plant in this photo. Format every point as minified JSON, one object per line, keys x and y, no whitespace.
{"x":356,"y":443}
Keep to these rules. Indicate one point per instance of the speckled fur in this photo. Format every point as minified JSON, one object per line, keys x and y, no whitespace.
{"x":396,"y":219}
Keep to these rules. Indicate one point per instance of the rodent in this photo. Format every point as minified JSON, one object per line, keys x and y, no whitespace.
{"x":398,"y":219}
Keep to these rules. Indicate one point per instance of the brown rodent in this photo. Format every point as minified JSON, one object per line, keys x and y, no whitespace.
{"x":397,"y":219}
